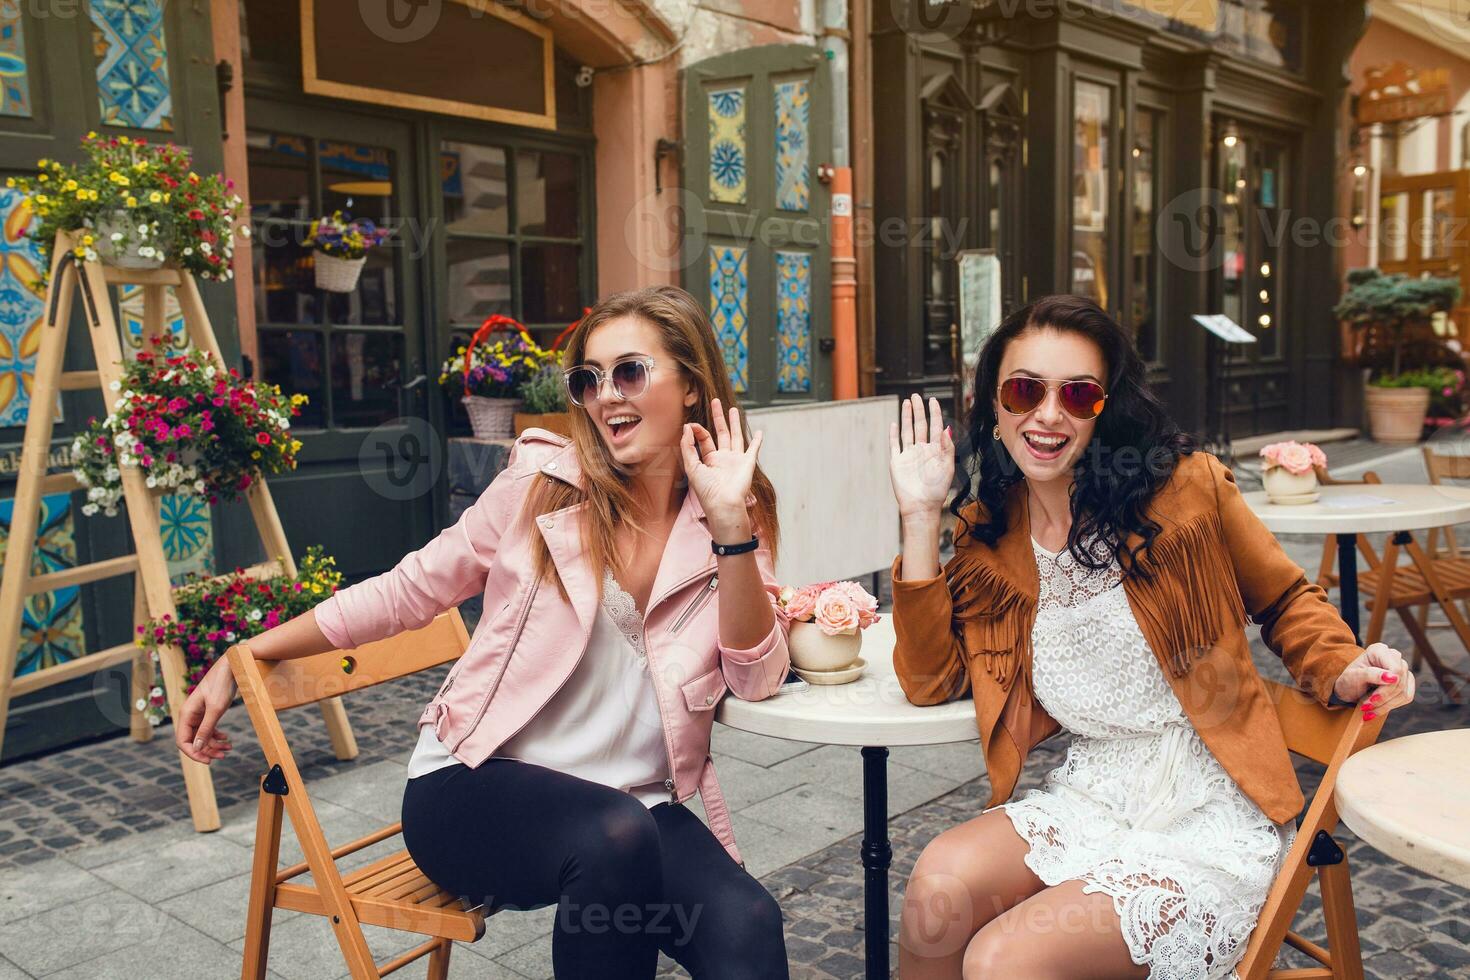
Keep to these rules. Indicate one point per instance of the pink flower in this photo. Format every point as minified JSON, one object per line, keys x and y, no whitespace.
{"x":865,"y":604}
{"x":836,"y":612}
{"x":1294,"y":457}
{"x":801,"y":605}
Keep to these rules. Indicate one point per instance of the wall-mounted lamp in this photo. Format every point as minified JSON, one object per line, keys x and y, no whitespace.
{"x":1362,"y":178}
{"x":1231,"y":135}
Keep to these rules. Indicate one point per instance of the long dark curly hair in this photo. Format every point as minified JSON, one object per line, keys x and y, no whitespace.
{"x":1133,"y":451}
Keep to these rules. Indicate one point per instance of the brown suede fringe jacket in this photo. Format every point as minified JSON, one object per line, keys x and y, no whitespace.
{"x":1215,"y":568}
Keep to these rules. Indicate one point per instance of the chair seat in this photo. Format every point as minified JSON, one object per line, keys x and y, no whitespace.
{"x":1409,"y":587}
{"x":393,"y":892}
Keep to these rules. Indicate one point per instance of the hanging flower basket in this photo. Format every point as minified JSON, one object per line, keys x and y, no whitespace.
{"x":337,"y":275}
{"x":131,"y":242}
{"x":492,"y":418}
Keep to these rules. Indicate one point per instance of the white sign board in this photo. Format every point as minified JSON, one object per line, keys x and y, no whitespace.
{"x":1225,"y":328}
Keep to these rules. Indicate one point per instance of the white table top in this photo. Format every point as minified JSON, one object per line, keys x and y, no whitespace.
{"x":871,"y":710}
{"x":1415,"y":506}
{"x":1410,"y":798}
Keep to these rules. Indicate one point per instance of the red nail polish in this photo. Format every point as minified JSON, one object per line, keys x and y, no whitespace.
{"x":1369,"y":716}
{"x":1374,"y":699}
{"x":1389,"y":678}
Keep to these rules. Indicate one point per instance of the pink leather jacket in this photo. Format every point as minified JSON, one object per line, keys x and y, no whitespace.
{"x":529,"y":639}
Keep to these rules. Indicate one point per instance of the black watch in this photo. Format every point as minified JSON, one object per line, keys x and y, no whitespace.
{"x":734,"y":549}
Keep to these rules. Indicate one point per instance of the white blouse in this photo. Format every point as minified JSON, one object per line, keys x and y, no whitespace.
{"x":602,"y":725}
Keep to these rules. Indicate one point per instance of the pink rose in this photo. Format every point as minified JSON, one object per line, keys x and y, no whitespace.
{"x":1296,"y":458}
{"x":801,"y":605}
{"x":836,"y":613}
{"x":1319,"y":458}
{"x":865,"y":604}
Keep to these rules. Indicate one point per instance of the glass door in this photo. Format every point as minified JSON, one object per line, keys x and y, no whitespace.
{"x":358,"y":356}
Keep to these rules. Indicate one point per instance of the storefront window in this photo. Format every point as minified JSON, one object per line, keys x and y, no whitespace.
{"x":514,"y":235}
{"x":1091,"y":167}
{"x":1234,"y":188}
{"x":1142,"y":259}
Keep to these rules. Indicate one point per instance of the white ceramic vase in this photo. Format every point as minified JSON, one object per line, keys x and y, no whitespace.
{"x":812,"y":649}
{"x":1278,"y":482}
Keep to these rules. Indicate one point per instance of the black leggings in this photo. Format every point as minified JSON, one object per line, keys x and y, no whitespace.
{"x":627,"y":881}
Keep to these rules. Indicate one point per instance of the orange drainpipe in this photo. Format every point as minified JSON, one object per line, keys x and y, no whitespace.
{"x":844,"y":289}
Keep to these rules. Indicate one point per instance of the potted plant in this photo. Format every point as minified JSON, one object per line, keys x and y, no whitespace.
{"x":489,"y":374}
{"x":216,"y":612}
{"x":1389,"y":330}
{"x":339,"y":250}
{"x":1447,"y":398}
{"x":827,"y":620}
{"x":136,"y":204}
{"x":190,"y":425}
{"x":1289,"y":471}
{"x":544,"y":402}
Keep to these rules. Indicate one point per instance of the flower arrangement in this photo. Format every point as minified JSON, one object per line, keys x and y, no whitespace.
{"x":337,"y":236}
{"x":190,"y":425}
{"x":544,"y":393}
{"x":495,"y":368}
{"x":129,"y":194}
{"x":836,"y":607}
{"x":217,"y":612}
{"x":1297,"y":458}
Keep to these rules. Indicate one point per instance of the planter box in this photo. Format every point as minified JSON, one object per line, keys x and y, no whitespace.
{"x":558,"y":422}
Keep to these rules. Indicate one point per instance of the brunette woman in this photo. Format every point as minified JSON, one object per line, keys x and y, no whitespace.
{"x":628,"y":580}
{"x":1103,"y":574}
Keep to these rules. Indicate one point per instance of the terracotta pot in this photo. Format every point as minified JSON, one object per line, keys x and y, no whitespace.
{"x":1278,"y":481}
{"x":558,"y":422}
{"x":812,"y":649}
{"x":1396,"y":415}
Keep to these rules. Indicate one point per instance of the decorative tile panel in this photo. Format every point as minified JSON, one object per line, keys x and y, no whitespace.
{"x":21,"y":308}
{"x":794,"y":321}
{"x":15,"y":79}
{"x":727,"y":162}
{"x":130,"y":303}
{"x":793,"y":117}
{"x":729,"y":307}
{"x":51,"y":622}
{"x":131,"y":49}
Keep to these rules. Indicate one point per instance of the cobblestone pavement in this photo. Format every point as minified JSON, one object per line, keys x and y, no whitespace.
{"x":1411,"y":925}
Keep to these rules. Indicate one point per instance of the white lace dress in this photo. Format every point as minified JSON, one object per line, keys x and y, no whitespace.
{"x":1139,"y":810}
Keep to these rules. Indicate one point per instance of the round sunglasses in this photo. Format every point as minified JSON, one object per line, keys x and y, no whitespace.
{"x":629,"y":378}
{"x":1083,"y":400}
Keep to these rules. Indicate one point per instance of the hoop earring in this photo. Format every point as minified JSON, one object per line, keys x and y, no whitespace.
{"x":995,"y":432}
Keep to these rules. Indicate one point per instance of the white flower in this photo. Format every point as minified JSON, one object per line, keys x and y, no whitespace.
{"x":156,"y":692}
{"x":89,"y":509}
{"x":147,"y":251}
{"x":141,"y":704}
{"x":143,"y":230}
{"x":255,"y":615}
{"x":117,"y":236}
{"x":115,"y":386}
{"x":188,"y":250}
{"x":206,"y":248}
{"x":151,"y":482}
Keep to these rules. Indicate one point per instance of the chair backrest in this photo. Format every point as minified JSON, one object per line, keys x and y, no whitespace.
{"x":306,"y":680}
{"x":1312,"y":731}
{"x":1445,"y":466}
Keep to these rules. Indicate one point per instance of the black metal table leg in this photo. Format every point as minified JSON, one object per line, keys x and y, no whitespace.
{"x":1347,"y":581}
{"x":877,"y":856}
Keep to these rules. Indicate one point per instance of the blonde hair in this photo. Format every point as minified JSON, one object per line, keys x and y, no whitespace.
{"x":686,"y":334}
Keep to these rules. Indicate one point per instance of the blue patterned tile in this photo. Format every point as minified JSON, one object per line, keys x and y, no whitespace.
{"x":21,"y":308}
{"x":188,"y":537}
{"x":729,"y":307}
{"x":727,"y":167}
{"x":132,"y":63}
{"x":51,"y":622}
{"x":15,"y":79}
{"x":794,"y":321}
{"x":793,"y":117}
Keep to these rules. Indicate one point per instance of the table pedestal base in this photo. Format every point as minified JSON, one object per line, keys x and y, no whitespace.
{"x":877,"y":856}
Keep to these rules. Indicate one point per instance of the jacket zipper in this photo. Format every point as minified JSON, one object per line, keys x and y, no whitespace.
{"x":695,"y":604}
{"x":525,"y":614}
{"x":454,"y":676}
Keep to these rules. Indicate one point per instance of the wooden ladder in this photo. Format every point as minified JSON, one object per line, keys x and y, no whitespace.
{"x":152,"y":590}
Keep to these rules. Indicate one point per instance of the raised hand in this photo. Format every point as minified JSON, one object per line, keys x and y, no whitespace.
{"x":720,"y":467}
{"x":921,"y":459}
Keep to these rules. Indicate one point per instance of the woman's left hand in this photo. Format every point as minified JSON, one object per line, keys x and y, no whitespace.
{"x":720,"y":467}
{"x":1381,"y":670}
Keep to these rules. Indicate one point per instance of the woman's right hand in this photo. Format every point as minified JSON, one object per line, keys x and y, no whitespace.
{"x":921,"y":459}
{"x":196,"y":734}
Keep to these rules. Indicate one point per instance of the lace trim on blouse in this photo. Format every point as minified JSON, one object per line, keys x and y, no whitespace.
{"x":621,"y":606}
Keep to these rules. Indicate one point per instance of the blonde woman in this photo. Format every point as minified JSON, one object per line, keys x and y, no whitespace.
{"x":628,"y":582}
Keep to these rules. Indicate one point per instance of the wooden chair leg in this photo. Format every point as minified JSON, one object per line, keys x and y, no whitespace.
{"x":439,"y":961}
{"x":1449,"y":679}
{"x":1388,"y":566}
{"x":262,"y":886}
{"x":1341,"y":920}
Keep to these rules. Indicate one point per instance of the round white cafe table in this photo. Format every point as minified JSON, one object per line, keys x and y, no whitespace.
{"x":1347,"y":510}
{"x":871,"y":712}
{"x":1410,"y":798}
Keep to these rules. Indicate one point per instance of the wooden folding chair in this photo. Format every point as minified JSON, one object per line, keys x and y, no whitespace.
{"x":1326,"y":737}
{"x":391,"y":892}
{"x":1386,"y":584}
{"x":1441,"y":467}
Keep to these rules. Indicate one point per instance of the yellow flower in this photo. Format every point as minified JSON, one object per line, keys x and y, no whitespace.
{"x":70,"y":185}
{"x":123,"y":140}
{"x":41,"y":199}
{"x":165,"y":197}
{"x":91,"y":134}
{"x":79,"y":252}
{"x":10,"y":181}
{"x":92,"y":194}
{"x":132,"y":202}
{"x":42,"y":178}
{"x":255,"y":454}
{"x":155,"y":197}
{"x":42,"y":163}
{"x":88,"y":240}
{"x":82,"y":194}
